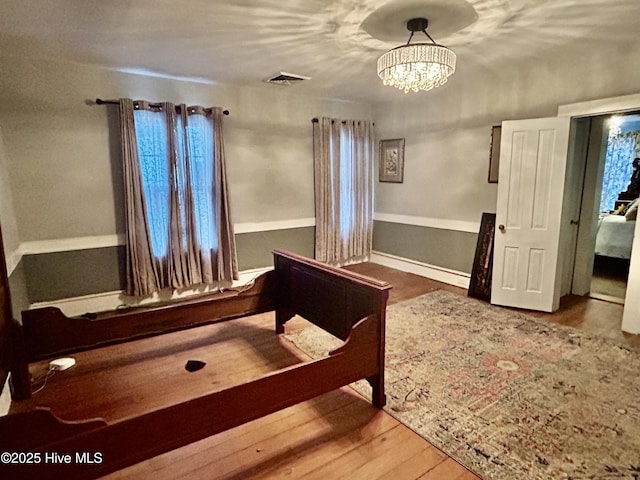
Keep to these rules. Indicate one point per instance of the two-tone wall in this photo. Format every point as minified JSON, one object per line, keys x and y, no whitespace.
{"x":430,"y":217}
{"x":52,"y":270}
{"x":62,"y":163}
{"x":64,"y":176}
{"x":10,"y":236}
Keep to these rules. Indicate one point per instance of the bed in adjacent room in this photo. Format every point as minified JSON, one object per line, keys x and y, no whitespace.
{"x":615,"y":232}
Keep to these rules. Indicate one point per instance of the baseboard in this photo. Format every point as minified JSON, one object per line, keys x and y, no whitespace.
{"x":101,"y":302}
{"x":5,"y":397}
{"x":607,"y":298}
{"x":441,"y":274}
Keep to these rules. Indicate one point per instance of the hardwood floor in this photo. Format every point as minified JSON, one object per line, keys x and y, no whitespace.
{"x":609,"y":279}
{"x":337,"y":435}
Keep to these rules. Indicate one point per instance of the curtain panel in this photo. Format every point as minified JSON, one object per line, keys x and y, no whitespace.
{"x":343,"y":176}
{"x":622,"y":149}
{"x":179,"y":229}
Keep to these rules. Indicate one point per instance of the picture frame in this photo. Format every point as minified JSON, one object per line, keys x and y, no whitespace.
{"x":494,"y":153}
{"x":391,"y":160}
{"x":482,"y":270}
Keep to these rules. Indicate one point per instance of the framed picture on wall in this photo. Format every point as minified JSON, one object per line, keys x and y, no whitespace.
{"x":494,"y":154}
{"x":392,"y":160}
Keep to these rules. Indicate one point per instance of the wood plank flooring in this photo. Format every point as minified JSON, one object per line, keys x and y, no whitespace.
{"x":337,"y":435}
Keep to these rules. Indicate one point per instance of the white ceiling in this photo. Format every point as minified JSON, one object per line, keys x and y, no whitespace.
{"x":335,"y":42}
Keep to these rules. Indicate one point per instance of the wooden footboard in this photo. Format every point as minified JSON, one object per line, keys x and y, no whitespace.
{"x":348,"y":305}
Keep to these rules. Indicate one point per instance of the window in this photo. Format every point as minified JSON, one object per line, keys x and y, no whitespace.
{"x":157,"y":174}
{"x":178,"y":223}
{"x":621,"y":149}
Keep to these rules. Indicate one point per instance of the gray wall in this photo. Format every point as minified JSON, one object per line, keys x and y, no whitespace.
{"x":52,"y":276}
{"x":434,"y":246}
{"x":8,"y":222}
{"x":61,"y":176}
{"x":19,"y":295}
{"x":61,"y":162}
{"x":64,"y":162}
{"x":448,"y":130}
{"x":255,"y":249}
{"x":10,"y":237}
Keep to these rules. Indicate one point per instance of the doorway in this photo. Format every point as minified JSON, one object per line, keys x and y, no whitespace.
{"x":616,"y":220}
{"x":583,"y":248}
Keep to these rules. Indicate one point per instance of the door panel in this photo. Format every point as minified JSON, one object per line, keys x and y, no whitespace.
{"x":533,"y":163}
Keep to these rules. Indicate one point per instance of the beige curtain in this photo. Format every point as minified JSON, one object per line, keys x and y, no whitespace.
{"x":179,"y":229}
{"x":226,"y":264}
{"x":343,"y":171}
{"x":142,"y":268}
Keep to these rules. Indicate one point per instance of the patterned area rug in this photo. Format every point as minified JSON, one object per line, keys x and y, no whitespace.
{"x":509,"y":396}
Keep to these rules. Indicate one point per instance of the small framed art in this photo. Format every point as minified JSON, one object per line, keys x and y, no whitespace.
{"x":392,"y":160}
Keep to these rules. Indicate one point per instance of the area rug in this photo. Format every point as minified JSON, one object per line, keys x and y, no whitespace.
{"x":509,"y":396}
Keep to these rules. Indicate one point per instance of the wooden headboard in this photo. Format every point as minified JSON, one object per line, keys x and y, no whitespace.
{"x":333,"y":299}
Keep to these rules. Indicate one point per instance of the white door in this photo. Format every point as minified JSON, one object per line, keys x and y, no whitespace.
{"x":526,"y":265}
{"x":631,"y":314}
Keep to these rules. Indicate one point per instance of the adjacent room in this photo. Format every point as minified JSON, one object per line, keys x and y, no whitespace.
{"x":617,"y":214}
{"x":320,"y":239}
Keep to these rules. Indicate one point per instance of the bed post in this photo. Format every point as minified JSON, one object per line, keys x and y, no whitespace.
{"x":378,"y":397}
{"x":281,"y":319}
{"x":284,"y":313}
{"x":20,"y":382}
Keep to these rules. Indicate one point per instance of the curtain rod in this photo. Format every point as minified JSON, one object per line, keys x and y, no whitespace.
{"x":316,"y":120}
{"x":100,"y":101}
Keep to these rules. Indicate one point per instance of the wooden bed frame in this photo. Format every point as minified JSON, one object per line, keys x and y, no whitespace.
{"x":348,"y":305}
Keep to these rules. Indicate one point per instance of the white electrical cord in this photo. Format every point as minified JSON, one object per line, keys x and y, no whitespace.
{"x":46,"y":376}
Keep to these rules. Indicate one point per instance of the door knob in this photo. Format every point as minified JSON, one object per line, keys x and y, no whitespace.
{"x":501,"y":228}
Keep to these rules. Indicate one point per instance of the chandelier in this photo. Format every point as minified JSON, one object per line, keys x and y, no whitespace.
{"x":418,"y":66}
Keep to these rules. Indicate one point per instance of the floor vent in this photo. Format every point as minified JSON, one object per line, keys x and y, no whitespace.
{"x":284,"y":78}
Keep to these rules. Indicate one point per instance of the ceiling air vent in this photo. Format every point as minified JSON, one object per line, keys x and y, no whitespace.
{"x":284,"y":78}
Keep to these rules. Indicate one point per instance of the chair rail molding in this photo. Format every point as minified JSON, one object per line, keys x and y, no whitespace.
{"x":440,"y":223}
